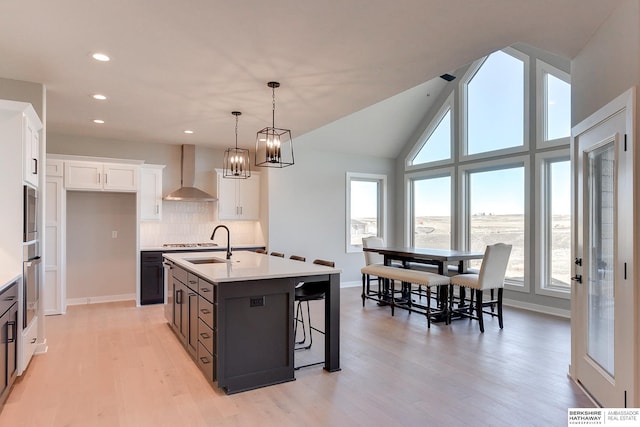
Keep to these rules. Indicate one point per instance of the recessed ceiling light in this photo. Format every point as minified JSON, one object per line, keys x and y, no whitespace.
{"x":101,"y":57}
{"x":188,"y":132}
{"x":98,"y":121}
{"x":99,"y":97}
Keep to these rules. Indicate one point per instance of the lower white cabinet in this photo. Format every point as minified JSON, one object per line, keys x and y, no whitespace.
{"x":151,"y":192}
{"x":97,"y":176}
{"x":29,"y":344}
{"x":238,"y":199}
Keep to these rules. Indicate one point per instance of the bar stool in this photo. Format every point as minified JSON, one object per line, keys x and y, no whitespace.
{"x":305,"y":292}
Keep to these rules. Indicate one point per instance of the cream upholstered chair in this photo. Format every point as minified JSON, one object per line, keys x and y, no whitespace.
{"x":371,"y":259}
{"x":491,"y":276}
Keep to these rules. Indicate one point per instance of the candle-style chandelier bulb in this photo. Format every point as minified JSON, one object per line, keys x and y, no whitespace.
{"x":236,"y":160}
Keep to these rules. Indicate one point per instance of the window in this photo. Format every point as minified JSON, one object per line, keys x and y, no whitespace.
{"x":554,"y":105}
{"x":496,"y":213}
{"x":366,"y":195}
{"x":431,"y":217}
{"x":553,"y":242}
{"x":435,"y":143}
{"x":496,"y":102}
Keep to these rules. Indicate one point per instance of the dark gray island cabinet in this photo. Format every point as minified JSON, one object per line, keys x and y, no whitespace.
{"x":236,"y":317}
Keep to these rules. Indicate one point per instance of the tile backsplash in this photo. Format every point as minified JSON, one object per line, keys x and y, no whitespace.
{"x":193,"y":222}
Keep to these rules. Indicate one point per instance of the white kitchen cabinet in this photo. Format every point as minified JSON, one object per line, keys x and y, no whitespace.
{"x":31,"y":149}
{"x":151,"y":192}
{"x":238,"y":199}
{"x":97,"y":176}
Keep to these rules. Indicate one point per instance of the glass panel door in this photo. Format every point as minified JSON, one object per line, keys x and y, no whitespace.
{"x":601,"y":255}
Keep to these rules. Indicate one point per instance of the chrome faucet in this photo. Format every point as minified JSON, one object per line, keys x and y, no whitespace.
{"x":228,"y":238}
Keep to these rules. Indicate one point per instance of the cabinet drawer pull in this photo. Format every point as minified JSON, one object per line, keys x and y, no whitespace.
{"x":11,"y":326}
{"x":205,"y":360}
{"x":205,"y":290}
{"x":205,"y":335}
{"x":33,"y":341}
{"x":205,"y":311}
{"x":35,"y":167}
{"x":193,"y":282}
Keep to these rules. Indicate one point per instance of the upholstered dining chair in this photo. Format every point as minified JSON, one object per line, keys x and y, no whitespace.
{"x":491,"y":277}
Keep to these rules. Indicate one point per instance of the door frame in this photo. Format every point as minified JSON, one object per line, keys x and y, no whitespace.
{"x":626,"y":101}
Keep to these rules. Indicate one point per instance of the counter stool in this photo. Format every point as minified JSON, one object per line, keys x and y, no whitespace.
{"x":305,"y":292}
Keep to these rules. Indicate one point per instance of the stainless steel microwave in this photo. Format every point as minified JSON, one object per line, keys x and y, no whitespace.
{"x":30,"y":214}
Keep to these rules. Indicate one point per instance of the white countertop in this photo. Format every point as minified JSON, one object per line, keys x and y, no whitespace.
{"x":245,"y":265}
{"x":197,"y":248}
{"x":10,"y":271}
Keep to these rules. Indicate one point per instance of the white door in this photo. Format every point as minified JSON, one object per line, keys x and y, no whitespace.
{"x":603,"y":329}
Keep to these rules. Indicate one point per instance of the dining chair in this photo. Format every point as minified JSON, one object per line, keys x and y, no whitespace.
{"x":304,"y":293}
{"x":491,"y":277}
{"x":278,"y":254}
{"x":371,"y":259}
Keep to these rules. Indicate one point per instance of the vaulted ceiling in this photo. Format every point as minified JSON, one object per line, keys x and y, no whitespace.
{"x":180,"y":65}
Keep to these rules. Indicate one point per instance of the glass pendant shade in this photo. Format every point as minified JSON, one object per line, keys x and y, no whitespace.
{"x":236,"y":160}
{"x":274,"y":146}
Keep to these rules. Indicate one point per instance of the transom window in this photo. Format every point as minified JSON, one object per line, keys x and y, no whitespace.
{"x":554,"y":105}
{"x":495,"y":104}
{"x":435,"y":143}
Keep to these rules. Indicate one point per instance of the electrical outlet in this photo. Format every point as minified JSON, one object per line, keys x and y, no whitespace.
{"x":114,"y":234}
{"x":256,"y":301}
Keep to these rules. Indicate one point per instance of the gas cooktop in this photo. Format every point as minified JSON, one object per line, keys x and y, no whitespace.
{"x":189,"y":245}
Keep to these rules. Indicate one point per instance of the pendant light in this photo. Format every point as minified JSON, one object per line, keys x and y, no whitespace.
{"x":274,"y":146}
{"x":236,"y":160}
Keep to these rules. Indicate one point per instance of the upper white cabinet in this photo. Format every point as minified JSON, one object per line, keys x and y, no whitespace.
{"x":238,"y":199}
{"x":151,"y":192}
{"x":97,"y":176}
{"x":31,"y":148}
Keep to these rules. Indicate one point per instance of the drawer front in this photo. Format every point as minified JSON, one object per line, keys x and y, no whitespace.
{"x":206,"y":336}
{"x":206,"y":312}
{"x":151,"y":256}
{"x":192,"y":281}
{"x":207,"y":363}
{"x":180,"y":274}
{"x":207,"y":290}
{"x":8,"y":297}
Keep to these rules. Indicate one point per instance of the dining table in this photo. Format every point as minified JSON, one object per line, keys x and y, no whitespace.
{"x":441,"y":259}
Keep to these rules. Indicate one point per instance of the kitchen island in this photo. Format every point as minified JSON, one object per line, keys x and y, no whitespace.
{"x":236,"y":317}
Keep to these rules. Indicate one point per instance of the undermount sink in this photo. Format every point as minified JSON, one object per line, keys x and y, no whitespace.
{"x":207,"y":260}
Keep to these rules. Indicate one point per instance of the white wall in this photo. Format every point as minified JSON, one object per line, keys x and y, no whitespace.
{"x":307,"y":201}
{"x":99,"y":265}
{"x":609,"y":64}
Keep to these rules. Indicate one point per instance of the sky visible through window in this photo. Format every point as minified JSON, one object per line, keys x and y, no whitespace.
{"x":558,"y":115}
{"x":364,"y":199}
{"x":438,"y":144}
{"x":495,"y":111}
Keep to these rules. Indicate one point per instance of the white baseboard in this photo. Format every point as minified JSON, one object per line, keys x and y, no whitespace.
{"x":350,"y":284}
{"x":101,"y":299}
{"x":538,"y":308}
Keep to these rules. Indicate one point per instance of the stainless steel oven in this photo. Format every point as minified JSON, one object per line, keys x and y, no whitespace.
{"x":31,"y":281}
{"x":30,"y":222}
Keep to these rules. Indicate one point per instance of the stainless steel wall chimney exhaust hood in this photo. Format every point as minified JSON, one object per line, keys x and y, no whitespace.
{"x":187,"y":192}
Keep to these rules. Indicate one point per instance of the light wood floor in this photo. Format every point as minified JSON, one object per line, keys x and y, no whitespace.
{"x":118,"y":365}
